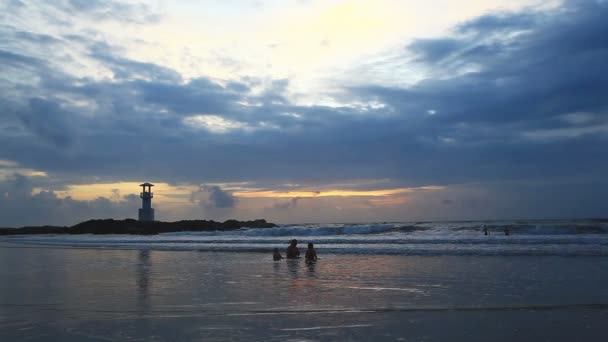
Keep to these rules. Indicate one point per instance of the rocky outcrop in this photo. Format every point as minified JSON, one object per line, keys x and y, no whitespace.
{"x":131,"y":226}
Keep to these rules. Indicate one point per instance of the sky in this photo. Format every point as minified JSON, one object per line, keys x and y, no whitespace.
{"x":303,"y":111}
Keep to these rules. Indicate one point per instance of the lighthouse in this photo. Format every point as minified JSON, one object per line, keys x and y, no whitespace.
{"x":146,"y":213}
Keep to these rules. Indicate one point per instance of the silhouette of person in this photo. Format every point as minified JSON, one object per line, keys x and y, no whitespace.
{"x":292,"y":251}
{"x":507,"y":230}
{"x":276,"y":256}
{"x":311,"y":254}
{"x":485,"y":230}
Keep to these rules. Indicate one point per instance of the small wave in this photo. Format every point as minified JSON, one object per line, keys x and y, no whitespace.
{"x":327,"y":327}
{"x":319,"y":230}
{"x":547,"y":228}
{"x":539,"y":229}
{"x":199,"y":312}
{"x":535,"y":229}
{"x":360,"y":249}
{"x":319,"y":240}
{"x":428,"y":238}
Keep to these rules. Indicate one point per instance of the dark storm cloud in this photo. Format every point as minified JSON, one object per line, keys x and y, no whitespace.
{"x":525,"y":83}
{"x":500,"y":23}
{"x":109,"y":10}
{"x":47,"y":121}
{"x":126,"y":69}
{"x":237,"y":87}
{"x":199,"y":96}
{"x":525,"y":74}
{"x":16,"y":60}
{"x":35,"y":37}
{"x":512,"y":97}
{"x":434,"y":50}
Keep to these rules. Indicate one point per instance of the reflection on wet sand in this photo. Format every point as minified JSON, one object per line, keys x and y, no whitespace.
{"x":143,"y":275}
{"x":138,"y":295}
{"x":310,"y":266}
{"x":143,"y":292}
{"x":306,"y":284}
{"x":293,"y":266}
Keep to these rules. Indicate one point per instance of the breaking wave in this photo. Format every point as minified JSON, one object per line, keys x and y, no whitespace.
{"x":569,"y":238}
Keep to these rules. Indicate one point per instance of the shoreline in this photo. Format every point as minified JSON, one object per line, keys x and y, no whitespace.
{"x":329,"y":251}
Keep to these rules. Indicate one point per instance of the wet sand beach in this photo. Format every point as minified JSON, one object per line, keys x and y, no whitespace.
{"x":75,"y":294}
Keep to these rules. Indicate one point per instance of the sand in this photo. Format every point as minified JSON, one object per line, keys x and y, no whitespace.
{"x":80,"y":294}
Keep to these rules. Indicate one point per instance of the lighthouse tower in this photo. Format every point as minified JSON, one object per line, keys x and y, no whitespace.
{"x":146,"y":213}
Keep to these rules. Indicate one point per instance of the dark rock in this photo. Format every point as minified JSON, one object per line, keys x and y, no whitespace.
{"x":131,"y":226}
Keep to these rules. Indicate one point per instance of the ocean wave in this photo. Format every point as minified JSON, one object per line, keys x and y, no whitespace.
{"x":356,"y":249}
{"x":540,"y":229}
{"x":322,"y":230}
{"x":429,"y":238}
{"x":227,"y":240}
{"x":372,"y":229}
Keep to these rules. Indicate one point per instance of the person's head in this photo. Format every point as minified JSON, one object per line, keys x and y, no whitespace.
{"x":294,"y":242}
{"x":310,"y":245}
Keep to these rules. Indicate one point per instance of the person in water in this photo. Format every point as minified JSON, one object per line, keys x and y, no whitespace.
{"x":311,"y":254}
{"x":292,"y":251}
{"x":276,"y":256}
{"x":507,"y":230}
{"x":485,"y":230}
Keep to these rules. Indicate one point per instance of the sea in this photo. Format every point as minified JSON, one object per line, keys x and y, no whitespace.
{"x":537,"y":237}
{"x":546,"y":280}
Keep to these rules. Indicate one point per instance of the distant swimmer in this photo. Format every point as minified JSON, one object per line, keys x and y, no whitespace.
{"x":507,"y":230}
{"x":311,"y":254}
{"x":276,"y":256}
{"x":292,"y":251}
{"x":485,"y":230}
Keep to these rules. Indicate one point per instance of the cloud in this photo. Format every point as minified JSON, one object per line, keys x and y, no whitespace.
{"x":513,"y":96}
{"x":126,"y":69}
{"x":287,"y":205}
{"x":213,"y":197}
{"x":115,"y":195}
{"x":16,"y":60}
{"x":21,"y":205}
{"x":109,"y":10}
{"x":213,"y":202}
{"x":48,"y":121}
{"x":220,"y":198}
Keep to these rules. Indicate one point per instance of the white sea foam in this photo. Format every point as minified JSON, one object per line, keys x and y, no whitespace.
{"x":328,"y":327}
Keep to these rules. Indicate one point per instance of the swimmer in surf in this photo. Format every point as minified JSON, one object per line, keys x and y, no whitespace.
{"x":311,"y":254}
{"x":276,"y":256}
{"x":292,"y":251}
